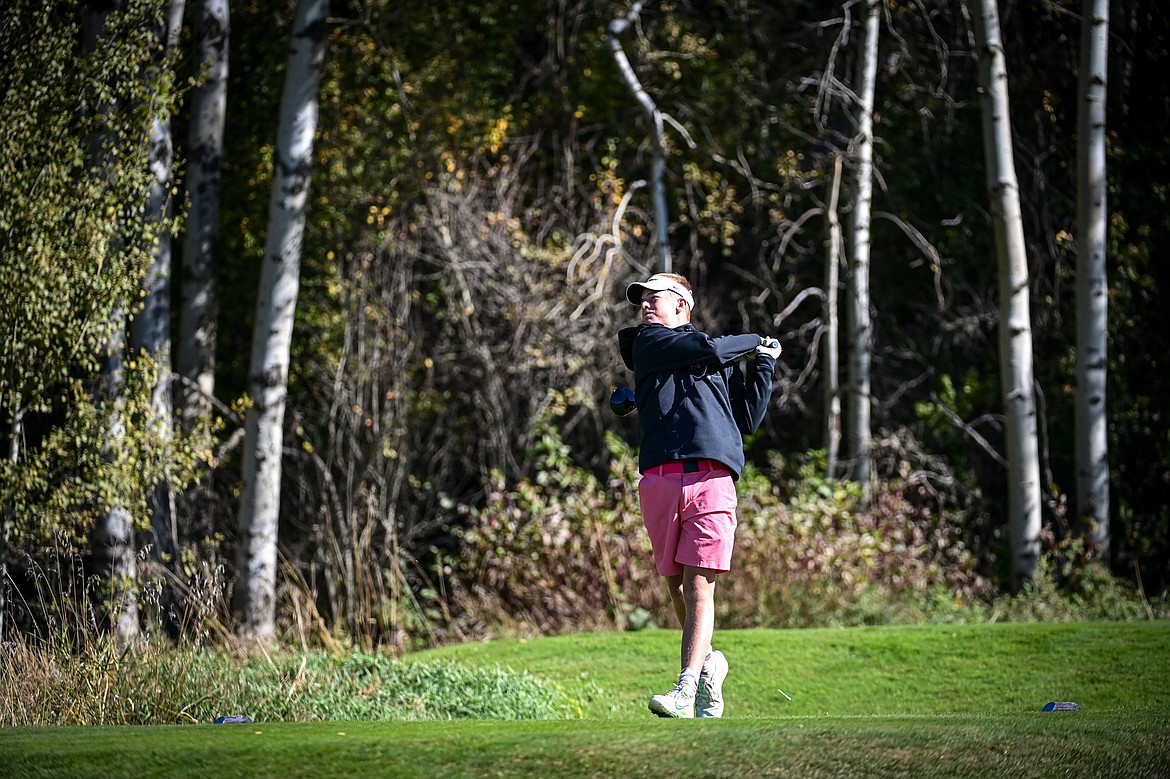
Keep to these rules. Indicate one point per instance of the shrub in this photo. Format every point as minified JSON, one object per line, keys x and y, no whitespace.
{"x":815,"y":556}
{"x":562,"y":551}
{"x":1071,"y":585}
{"x":568,"y":551}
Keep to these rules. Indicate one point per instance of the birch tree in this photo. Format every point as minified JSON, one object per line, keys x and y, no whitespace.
{"x":831,"y":358}
{"x":255,"y":591}
{"x":150,"y":331}
{"x":115,"y":547}
{"x":196,"y":344}
{"x":1015,"y":328}
{"x":859,"y":328}
{"x":73,"y":164}
{"x":618,"y":29}
{"x":114,"y":544}
{"x":1092,"y":447}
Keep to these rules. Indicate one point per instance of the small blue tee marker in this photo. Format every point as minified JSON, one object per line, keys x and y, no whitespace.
{"x":1061,"y":706}
{"x":233,"y":719}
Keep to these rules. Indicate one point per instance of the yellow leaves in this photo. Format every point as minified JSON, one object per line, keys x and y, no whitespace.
{"x":498,"y":133}
{"x":376,"y":216}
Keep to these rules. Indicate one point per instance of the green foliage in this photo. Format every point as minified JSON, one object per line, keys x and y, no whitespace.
{"x":80,"y":471}
{"x":464,"y":256}
{"x":566,"y":550}
{"x":98,"y":683}
{"x":808,"y":553}
{"x":563,"y":550}
{"x":1070,"y":585}
{"x":74,"y":238}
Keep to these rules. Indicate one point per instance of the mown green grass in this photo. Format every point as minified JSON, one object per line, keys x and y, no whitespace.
{"x":1125,"y":744}
{"x":930,"y":669}
{"x":960,"y":701}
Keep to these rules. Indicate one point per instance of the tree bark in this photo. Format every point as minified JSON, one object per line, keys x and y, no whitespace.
{"x":618,"y":28}
{"x":272,"y":335}
{"x":196,"y":344}
{"x":858,"y":435}
{"x":832,"y":358}
{"x":1015,"y":328}
{"x":150,"y":332}
{"x":7,"y":523}
{"x":1092,"y":444}
{"x":114,"y":544}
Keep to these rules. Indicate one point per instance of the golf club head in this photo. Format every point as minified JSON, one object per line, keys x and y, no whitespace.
{"x":621,"y":400}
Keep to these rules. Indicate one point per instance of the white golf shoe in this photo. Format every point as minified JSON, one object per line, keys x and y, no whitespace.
{"x":679,"y":703}
{"x":709,"y":698}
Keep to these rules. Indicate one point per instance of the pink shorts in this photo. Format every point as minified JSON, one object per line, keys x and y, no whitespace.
{"x":690,"y":518}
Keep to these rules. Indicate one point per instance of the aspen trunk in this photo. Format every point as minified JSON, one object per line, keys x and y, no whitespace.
{"x":831,"y":358}
{"x":255,"y":591}
{"x":859,"y":328}
{"x":196,"y":344}
{"x":617,"y":29}
{"x":1015,"y":326}
{"x":1092,"y":443}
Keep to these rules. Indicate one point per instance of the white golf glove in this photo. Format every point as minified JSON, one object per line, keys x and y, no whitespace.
{"x":770,"y":347}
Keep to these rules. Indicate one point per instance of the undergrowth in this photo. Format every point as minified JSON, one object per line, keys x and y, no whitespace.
{"x":99,"y":684}
{"x":567,"y":551}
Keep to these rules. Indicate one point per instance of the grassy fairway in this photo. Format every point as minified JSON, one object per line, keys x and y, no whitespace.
{"x":1085,"y":744}
{"x":958,"y":701}
{"x":932,"y":669}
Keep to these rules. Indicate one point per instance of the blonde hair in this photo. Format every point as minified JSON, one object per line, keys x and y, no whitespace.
{"x":678,"y":278}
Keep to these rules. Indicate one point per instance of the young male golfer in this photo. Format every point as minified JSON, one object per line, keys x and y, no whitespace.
{"x":694,"y":407}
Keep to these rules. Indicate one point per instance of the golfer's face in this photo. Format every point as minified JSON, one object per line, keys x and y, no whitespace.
{"x":662,"y":308}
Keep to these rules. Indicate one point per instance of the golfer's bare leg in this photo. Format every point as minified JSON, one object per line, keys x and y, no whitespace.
{"x":675,"y":585}
{"x":693,"y":594}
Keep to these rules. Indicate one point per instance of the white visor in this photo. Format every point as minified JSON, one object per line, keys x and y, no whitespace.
{"x":635,"y":291}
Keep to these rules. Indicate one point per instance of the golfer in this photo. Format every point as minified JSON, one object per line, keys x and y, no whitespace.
{"x":694,"y":407}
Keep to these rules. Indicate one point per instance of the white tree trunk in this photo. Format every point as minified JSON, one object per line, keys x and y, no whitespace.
{"x":113,"y":536}
{"x":114,"y":545}
{"x":859,"y":328}
{"x":150,"y":331}
{"x":195,"y":347}
{"x":7,"y":524}
{"x":618,"y":28}
{"x":150,"y":334}
{"x":832,"y":356}
{"x":272,"y":337}
{"x":1015,"y":325}
{"x":1092,"y":447}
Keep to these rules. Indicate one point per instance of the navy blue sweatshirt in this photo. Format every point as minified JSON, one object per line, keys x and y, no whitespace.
{"x":693,"y":402}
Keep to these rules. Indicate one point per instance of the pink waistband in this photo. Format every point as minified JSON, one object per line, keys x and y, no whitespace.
{"x":685,"y":466}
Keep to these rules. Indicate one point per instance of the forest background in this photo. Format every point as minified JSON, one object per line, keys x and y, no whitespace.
{"x":478,"y":202}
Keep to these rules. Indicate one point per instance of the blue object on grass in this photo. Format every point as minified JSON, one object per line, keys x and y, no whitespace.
{"x":233,"y":719}
{"x":1061,"y":706}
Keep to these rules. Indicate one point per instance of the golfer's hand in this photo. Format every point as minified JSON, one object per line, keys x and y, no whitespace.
{"x":770,"y":347}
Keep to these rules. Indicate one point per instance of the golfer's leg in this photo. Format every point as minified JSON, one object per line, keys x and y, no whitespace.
{"x":698,"y":589}
{"x":675,"y":586}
